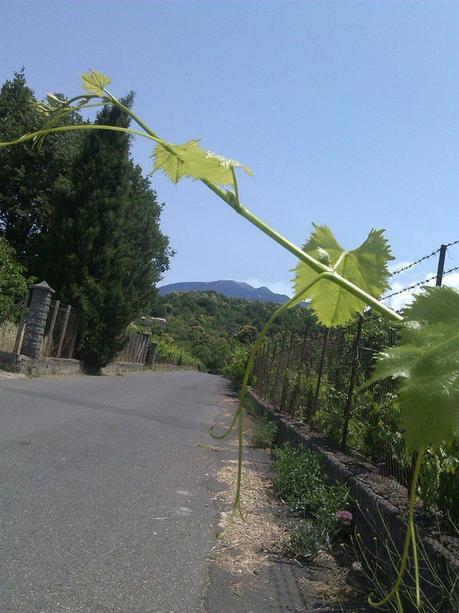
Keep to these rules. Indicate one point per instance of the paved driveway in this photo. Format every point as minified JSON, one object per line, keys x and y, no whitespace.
{"x":105,"y":495}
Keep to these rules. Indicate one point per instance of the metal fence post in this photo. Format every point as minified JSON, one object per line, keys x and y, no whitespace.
{"x":279,"y":363}
{"x":312,"y":410}
{"x":438,"y":282}
{"x":355,"y":361}
{"x":441,"y":265}
{"x":270,"y":370}
{"x":264,"y":365}
{"x":287,"y":366}
{"x":296,"y":389}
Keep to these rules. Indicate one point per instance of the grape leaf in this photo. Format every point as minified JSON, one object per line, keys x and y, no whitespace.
{"x":190,"y":160}
{"x":427,"y":363}
{"x":94,"y":82}
{"x":365,"y":266}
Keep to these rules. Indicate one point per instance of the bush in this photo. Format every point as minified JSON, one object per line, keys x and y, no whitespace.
{"x":13,"y":283}
{"x":300,"y":481}
{"x":264,"y":433}
{"x":235,"y":365}
{"x":306,"y":540}
{"x":170,"y":353}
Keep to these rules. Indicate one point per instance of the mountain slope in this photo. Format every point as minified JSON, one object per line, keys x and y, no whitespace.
{"x":230,"y":289}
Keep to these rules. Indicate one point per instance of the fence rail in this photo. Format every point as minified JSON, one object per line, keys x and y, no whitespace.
{"x":136,"y":349}
{"x":61,"y":331}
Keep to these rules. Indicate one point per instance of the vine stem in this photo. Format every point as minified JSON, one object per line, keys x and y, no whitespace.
{"x":410,"y":538}
{"x":84,"y":126}
{"x":239,"y":414}
{"x":233,"y":201}
{"x":229,"y":197}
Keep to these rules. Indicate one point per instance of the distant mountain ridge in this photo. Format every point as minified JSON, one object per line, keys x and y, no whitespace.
{"x":228,"y":288}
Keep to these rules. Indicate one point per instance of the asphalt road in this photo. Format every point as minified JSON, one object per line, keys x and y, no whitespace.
{"x":105,"y":495}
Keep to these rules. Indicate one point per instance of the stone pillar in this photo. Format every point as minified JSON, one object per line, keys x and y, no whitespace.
{"x":151,"y":354}
{"x":37,"y":315}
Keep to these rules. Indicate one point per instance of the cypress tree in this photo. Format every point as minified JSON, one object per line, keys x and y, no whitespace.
{"x":105,"y":246}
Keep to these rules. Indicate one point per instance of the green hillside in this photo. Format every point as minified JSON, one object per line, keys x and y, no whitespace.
{"x":210,"y":326}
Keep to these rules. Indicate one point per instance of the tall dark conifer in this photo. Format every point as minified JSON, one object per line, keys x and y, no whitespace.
{"x":105,"y":247}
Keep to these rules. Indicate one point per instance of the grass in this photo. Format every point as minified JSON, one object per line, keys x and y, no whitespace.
{"x":264,"y":433}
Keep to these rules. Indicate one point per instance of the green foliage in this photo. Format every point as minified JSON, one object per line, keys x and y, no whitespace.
{"x":190,"y":160}
{"x":264,"y":433}
{"x":105,"y":249}
{"x":28,"y":176}
{"x":427,"y":362}
{"x":300,"y":482}
{"x":247,"y":334}
{"x":209,"y":325}
{"x":235,"y":365}
{"x":13,"y":283}
{"x":94,"y":82}
{"x":365,"y":266}
{"x":307,"y":539}
{"x":169,"y":352}
{"x":439,"y":482}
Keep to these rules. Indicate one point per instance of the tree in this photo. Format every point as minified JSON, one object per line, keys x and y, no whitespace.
{"x":13,"y":283}
{"x":148,"y":249}
{"x":105,"y":249}
{"x":28,"y":174}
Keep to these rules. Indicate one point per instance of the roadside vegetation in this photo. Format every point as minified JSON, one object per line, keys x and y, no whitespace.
{"x":321,"y":507}
{"x":263,"y":434}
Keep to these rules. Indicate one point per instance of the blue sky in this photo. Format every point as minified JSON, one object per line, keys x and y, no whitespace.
{"x":347,"y":112}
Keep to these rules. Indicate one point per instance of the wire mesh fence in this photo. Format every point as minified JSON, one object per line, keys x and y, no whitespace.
{"x":318,"y":379}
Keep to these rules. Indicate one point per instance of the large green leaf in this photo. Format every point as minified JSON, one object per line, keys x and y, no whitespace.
{"x":190,"y":160}
{"x":427,"y":363}
{"x":365,"y":266}
{"x":94,"y":82}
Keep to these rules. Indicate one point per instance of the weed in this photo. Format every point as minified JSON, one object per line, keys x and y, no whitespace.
{"x":300,"y":482}
{"x":264,"y":433}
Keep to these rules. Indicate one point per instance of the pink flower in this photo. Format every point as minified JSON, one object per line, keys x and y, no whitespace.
{"x":344,"y":516}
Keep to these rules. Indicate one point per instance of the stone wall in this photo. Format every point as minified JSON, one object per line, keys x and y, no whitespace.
{"x":380,"y":506}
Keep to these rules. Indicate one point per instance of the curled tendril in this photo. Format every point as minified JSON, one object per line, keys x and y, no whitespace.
{"x":410,"y":539}
{"x":238,"y":416}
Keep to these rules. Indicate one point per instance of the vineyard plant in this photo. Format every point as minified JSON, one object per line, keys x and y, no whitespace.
{"x":339,"y":284}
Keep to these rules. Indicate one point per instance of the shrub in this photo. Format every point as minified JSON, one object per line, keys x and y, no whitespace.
{"x":168,"y":352}
{"x":306,"y":540}
{"x":13,"y":283}
{"x":235,"y":365}
{"x":301,"y":483}
{"x":264,"y":433}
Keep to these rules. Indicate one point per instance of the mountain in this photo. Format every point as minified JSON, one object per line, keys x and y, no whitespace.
{"x":230,"y":289}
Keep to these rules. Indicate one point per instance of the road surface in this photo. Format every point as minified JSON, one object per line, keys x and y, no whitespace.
{"x":106,"y":497}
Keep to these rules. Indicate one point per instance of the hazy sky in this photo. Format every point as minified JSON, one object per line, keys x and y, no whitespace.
{"x":347,"y":112}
